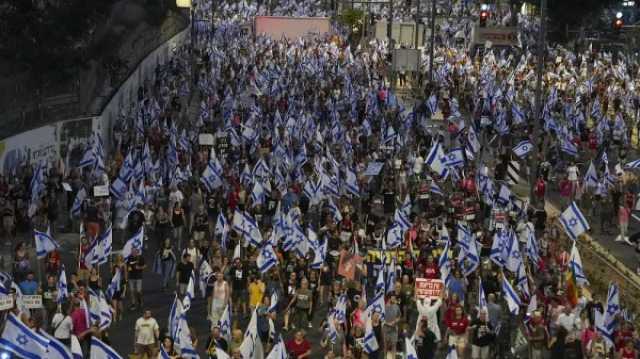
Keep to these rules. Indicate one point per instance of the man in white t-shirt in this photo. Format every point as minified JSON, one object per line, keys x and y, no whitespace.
{"x":147,"y":334}
{"x":62,"y":327}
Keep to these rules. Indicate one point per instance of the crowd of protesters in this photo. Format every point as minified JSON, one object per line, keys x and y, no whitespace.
{"x":323,"y":195}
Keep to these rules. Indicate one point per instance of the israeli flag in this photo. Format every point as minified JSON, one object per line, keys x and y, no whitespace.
{"x":613,"y":308}
{"x":522,"y":282}
{"x":444,"y":263}
{"x":134,"y":242}
{"x":190,"y":293}
{"x":436,"y":160}
{"x":514,"y":257}
{"x":56,"y":349}
{"x":504,"y":196}
{"x":432,"y":105}
{"x":225,"y":322}
{"x":591,"y":177}
{"x":183,"y":340}
{"x":568,"y":147}
{"x":212,"y":175}
{"x":452,"y":353}
{"x":410,"y":351}
{"x":44,"y":243}
{"x":512,"y":298}
{"x":435,"y":189}
{"x":258,"y":195}
{"x":105,"y":241}
{"x":395,"y":236}
{"x":533,"y":251}
{"x":498,"y":247}
{"x":319,"y":250}
{"x":471,"y":256}
{"x":573,"y":221}
{"x":222,"y":229}
{"x":76,"y":350}
{"x":391,"y":276}
{"x":351,"y":182}
{"x":335,"y":211}
{"x":482,"y":299}
{"x":21,"y":341}
{"x":518,"y":114}
{"x":473,"y":144}
{"x":279,"y":351}
{"x":77,"y":203}
{"x":523,"y":148}
{"x":267,"y":258}
{"x":633,"y":164}
{"x":455,"y":158}
{"x":247,"y":226}
{"x":575,"y":263}
{"x":115,"y":284}
{"x":63,"y":290}
{"x":370,"y":342}
{"x":118,"y":188}
{"x":380,"y":284}
{"x":175,"y":312}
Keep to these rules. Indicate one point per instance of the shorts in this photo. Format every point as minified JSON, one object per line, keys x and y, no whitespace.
{"x":457,"y":340}
{"x":135,"y":285}
{"x":478,"y":352}
{"x":240,"y":295}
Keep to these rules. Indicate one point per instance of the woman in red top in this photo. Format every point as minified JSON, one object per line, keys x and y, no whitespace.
{"x":431,"y":270}
{"x":628,"y":351}
{"x":457,"y":330}
{"x":299,"y":347}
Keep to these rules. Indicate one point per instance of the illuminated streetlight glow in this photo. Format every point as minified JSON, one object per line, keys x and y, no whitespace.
{"x":183,"y":3}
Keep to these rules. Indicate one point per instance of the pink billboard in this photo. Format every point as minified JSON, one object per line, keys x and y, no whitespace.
{"x":291,"y":27}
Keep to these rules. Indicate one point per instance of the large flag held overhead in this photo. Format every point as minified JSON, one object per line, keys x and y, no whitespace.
{"x":44,"y":243}
{"x":21,"y":341}
{"x":134,"y":242}
{"x":575,"y":263}
{"x":573,"y":221}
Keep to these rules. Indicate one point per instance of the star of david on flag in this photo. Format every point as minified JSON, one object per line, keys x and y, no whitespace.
{"x":573,"y":221}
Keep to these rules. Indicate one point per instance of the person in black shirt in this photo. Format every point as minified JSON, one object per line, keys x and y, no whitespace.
{"x":183,"y":273}
{"x":425,"y":341}
{"x":201,"y":224}
{"x":482,"y":336}
{"x":239,"y":285}
{"x":135,"y":267}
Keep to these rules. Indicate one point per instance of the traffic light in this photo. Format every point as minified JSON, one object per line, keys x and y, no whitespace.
{"x":484,"y":15}
{"x":618,"y":23}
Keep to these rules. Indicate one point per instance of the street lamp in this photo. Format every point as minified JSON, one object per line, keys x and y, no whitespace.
{"x":184,"y":4}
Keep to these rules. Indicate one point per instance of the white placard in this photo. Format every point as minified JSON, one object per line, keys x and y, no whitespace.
{"x":66,"y":187}
{"x":205,"y":139}
{"x":32,"y":301}
{"x":6,"y":302}
{"x":101,"y":191}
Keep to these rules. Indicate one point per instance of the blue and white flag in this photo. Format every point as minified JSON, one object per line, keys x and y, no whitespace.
{"x":444,"y":263}
{"x":222,"y":229}
{"x":225,"y":323}
{"x":21,"y":341}
{"x":523,"y":148}
{"x":575,"y":263}
{"x":279,"y":351}
{"x":247,"y":226}
{"x":533,"y":251}
{"x":452,"y":353}
{"x":335,"y":211}
{"x":633,"y":164}
{"x":573,"y":221}
{"x":613,"y":308}
{"x":432,"y":105}
{"x":134,"y":242}
{"x":473,"y":144}
{"x":63,"y":290}
{"x":591,"y":177}
{"x":518,"y":114}
{"x":395,"y":236}
{"x":409,"y":350}
{"x":513,"y":255}
{"x":77,"y":203}
{"x":510,"y":295}
{"x":56,"y":349}
{"x":258,"y":195}
{"x":482,"y":299}
{"x":455,"y":158}
{"x":351,"y":182}
{"x":522,"y":281}
{"x":267,"y":258}
{"x":212,"y":176}
{"x":76,"y":349}
{"x":183,"y":340}
{"x":370,"y":342}
{"x":390,"y":281}
{"x":44,"y":243}
{"x":190,"y":293}
{"x":436,"y":160}
{"x":115,"y":284}
{"x":504,"y":196}
{"x":568,"y":147}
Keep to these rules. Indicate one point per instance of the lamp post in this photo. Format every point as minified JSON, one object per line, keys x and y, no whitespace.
{"x":538,"y":101}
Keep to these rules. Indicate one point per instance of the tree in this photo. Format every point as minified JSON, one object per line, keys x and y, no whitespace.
{"x":573,"y":14}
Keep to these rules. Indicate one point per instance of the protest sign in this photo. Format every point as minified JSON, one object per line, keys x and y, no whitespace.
{"x":32,"y":301}
{"x":428,"y":288}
